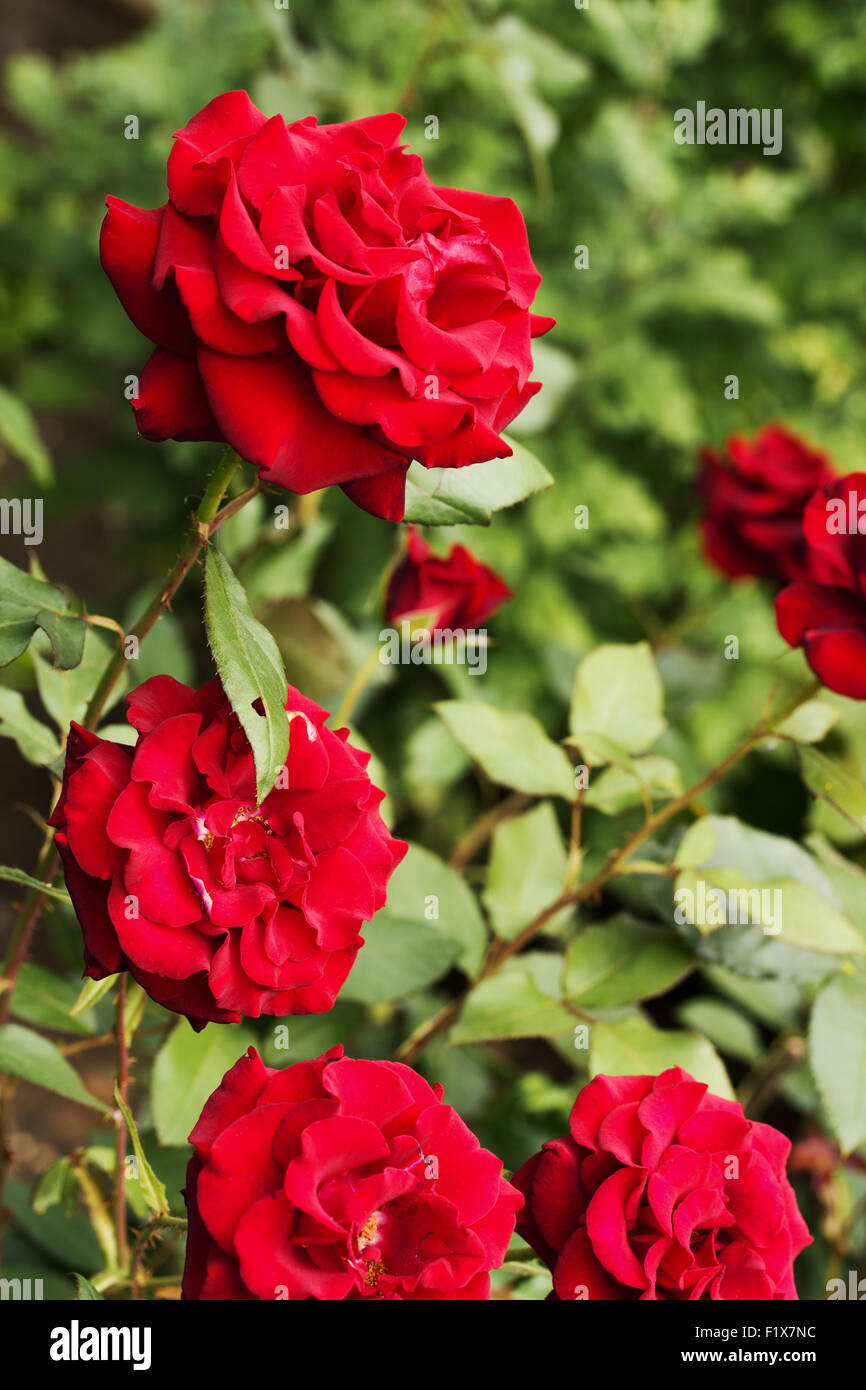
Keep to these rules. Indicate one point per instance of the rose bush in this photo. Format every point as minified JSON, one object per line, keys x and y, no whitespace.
{"x":340,"y":1179}
{"x":453,"y":591}
{"x":372,"y":317}
{"x":662,"y":1190}
{"x":753,"y":495}
{"x":826,"y":615}
{"x":219,"y":907}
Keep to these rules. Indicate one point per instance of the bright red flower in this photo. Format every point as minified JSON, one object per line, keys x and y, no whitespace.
{"x":826,"y":615}
{"x":217,"y":906}
{"x":316,"y":272}
{"x":663,"y":1191}
{"x":455,"y":591}
{"x":340,"y":1179}
{"x":753,"y":496}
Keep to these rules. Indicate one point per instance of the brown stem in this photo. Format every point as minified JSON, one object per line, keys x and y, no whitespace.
{"x":467,"y":848}
{"x":500,"y":951}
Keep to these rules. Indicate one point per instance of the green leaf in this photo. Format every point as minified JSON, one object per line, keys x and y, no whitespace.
{"x":527,"y":869}
{"x":618,"y":693}
{"x":65,"y":694}
{"x":28,"y":1055}
{"x":19,"y":434}
{"x":56,"y":1187}
{"x":615,"y":789}
{"x":834,"y":785}
{"x":511,"y":1005}
{"x":398,"y":958}
{"x":44,"y":998}
{"x":187,"y":1068}
{"x":470,"y":495}
{"x":250,"y":667}
{"x":27,"y":604}
{"x":36,"y":742}
{"x":425,"y":891}
{"x":49,"y":890}
{"x":631,"y":1046}
{"x":837,"y":1055}
{"x":727,"y":1029}
{"x":511,"y":747}
{"x":152,"y":1189}
{"x":90,"y":993}
{"x":621,"y":962}
{"x":85,"y":1292}
{"x":809,"y":723}
{"x":775,"y":884}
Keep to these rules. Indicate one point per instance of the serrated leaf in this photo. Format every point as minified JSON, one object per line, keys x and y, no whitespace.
{"x":470,"y":495}
{"x":510,"y":1005}
{"x":618,"y":693}
{"x":27,"y":604}
{"x":65,"y":694}
{"x":511,"y":746}
{"x":250,"y":668}
{"x":187,"y":1068}
{"x":28,"y":1055}
{"x":425,"y":891}
{"x":84,"y":1290}
{"x":837,"y":1056}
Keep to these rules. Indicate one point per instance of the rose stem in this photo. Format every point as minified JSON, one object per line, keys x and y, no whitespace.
{"x":501,"y":951}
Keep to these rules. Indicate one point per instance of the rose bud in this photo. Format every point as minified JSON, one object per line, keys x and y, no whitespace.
{"x":316,"y":271}
{"x":826,"y":615}
{"x":455,"y":592}
{"x":340,"y":1179}
{"x":661,"y":1190}
{"x":217,"y":906}
{"x":753,"y":495}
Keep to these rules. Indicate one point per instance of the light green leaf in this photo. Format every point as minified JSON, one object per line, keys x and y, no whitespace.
{"x":834,"y":785}
{"x":727,"y":1029}
{"x":527,"y":869}
{"x":425,"y":890}
{"x":510,"y":1005}
{"x":470,"y":495}
{"x":65,"y":694}
{"x":837,"y":1055}
{"x":187,"y":1068}
{"x":19,"y":434}
{"x":631,"y":1046}
{"x":618,"y":693}
{"x":27,"y":604}
{"x":152,"y":1189}
{"x":250,"y":667}
{"x":85,"y":1292}
{"x":615,"y":789}
{"x":91,"y":992}
{"x":36,"y":742}
{"x":621,"y":962}
{"x":28,"y":1055}
{"x":809,"y":723}
{"x":512,"y":747}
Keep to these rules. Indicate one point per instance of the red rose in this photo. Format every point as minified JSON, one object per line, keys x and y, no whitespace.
{"x":663,"y":1191}
{"x":754,"y":497}
{"x":371,"y":317}
{"x":340,"y":1179}
{"x":217,"y":906}
{"x":826,"y":615}
{"x":456,"y":592}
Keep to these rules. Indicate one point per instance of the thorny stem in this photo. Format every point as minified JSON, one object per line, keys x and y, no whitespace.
{"x":501,"y":951}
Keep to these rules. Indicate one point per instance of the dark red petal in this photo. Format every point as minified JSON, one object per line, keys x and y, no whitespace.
{"x":127,"y":249}
{"x":171,"y":402}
